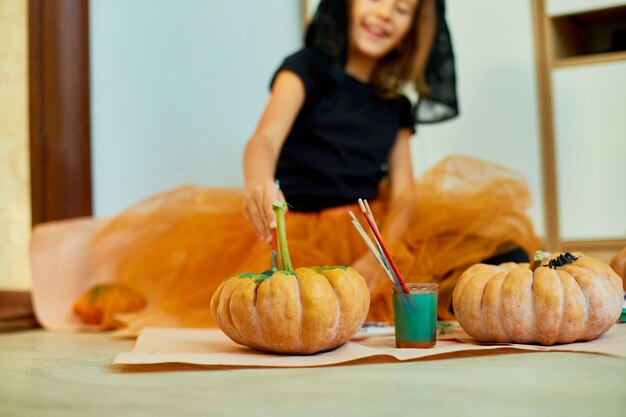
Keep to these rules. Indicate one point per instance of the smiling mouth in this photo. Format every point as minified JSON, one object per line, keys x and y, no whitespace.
{"x":375,"y":32}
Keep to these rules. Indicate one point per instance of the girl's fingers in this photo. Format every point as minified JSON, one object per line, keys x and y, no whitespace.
{"x":272,"y":194}
{"x":281,"y":197}
{"x":259,"y":211}
{"x":255,"y":219}
{"x":261,"y":217}
{"x":246,"y":213}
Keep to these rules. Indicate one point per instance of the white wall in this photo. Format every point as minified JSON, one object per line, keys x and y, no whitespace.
{"x":495,"y":60}
{"x":177,"y":87}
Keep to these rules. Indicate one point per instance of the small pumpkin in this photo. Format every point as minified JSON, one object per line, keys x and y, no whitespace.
{"x":618,"y":264}
{"x":101,"y":303}
{"x":571,"y":298}
{"x":301,"y":311}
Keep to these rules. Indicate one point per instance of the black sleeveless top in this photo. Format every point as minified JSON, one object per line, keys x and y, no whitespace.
{"x":337,"y":149}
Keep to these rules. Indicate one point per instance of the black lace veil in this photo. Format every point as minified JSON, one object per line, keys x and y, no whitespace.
{"x":326,"y":37}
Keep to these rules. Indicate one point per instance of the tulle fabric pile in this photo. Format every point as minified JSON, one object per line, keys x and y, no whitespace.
{"x":175,"y":248}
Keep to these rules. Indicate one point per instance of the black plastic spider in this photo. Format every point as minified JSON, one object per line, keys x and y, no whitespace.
{"x":561,"y":260}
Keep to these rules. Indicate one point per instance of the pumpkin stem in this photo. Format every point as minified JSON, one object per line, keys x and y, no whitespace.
{"x":281,"y":235}
{"x":539,"y":255}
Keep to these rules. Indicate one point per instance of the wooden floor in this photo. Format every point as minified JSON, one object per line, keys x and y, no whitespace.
{"x":53,"y":374}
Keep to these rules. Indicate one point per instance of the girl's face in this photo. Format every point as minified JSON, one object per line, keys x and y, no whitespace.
{"x":377,"y":27}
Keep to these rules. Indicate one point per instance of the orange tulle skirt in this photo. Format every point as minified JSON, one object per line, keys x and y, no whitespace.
{"x":175,"y":248}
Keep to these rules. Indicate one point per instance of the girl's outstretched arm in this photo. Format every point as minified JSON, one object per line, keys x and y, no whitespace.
{"x":262,"y":150}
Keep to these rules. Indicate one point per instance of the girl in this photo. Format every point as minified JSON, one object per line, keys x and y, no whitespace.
{"x":337,"y":124}
{"x":336,"y":128}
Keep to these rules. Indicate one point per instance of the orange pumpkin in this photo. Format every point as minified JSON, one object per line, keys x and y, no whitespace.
{"x":618,"y":264}
{"x":569,"y":299}
{"x":101,"y":303}
{"x":301,"y":311}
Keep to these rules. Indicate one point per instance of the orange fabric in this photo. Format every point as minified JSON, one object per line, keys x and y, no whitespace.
{"x":176,"y":247}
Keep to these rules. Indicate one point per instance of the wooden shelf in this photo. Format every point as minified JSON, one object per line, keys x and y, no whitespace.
{"x":589,"y":59}
{"x":590,"y":245}
{"x":587,"y":34}
{"x":570,"y":7}
{"x":579,"y":36}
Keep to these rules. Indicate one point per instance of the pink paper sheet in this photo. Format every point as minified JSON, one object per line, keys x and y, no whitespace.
{"x":212,"y":348}
{"x":61,"y":271}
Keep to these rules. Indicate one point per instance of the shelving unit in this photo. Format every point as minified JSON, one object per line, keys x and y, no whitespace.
{"x":587,"y":37}
{"x":581,"y":77}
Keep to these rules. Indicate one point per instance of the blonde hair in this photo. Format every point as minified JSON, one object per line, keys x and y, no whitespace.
{"x":408,"y":63}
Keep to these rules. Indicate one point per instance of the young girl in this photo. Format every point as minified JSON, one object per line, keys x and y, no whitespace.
{"x":338,"y":124}
{"x":336,"y":128}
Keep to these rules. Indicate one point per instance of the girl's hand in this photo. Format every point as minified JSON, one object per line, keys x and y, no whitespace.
{"x":257,"y":208}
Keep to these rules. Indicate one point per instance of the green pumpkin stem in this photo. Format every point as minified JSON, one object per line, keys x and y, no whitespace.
{"x":281,"y":235}
{"x":536,"y":263}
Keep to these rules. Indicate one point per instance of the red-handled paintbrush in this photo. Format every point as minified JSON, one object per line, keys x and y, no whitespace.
{"x":369,"y":218}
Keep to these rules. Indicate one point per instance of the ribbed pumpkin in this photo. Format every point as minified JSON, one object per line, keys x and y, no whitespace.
{"x":568,"y":299}
{"x":301,"y":311}
{"x":618,"y":264}
{"x":101,"y":303}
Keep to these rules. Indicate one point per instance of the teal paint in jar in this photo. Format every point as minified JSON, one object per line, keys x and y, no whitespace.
{"x":415,"y":315}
